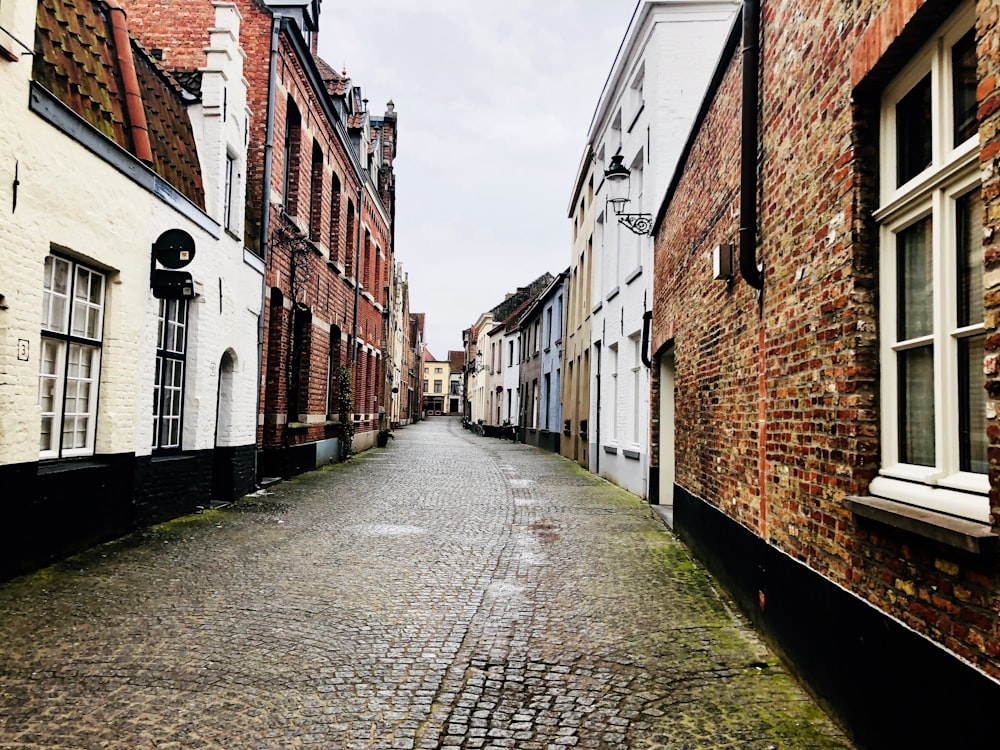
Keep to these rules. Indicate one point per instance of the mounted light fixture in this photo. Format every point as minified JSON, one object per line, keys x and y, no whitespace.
{"x":617,"y":177}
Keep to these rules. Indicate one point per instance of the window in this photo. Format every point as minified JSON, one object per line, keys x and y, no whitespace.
{"x":70,"y":361}
{"x":290,"y":176}
{"x":931,"y":281}
{"x":438,"y":370}
{"x":637,"y":391}
{"x":230,"y":198}
{"x":548,"y":327}
{"x":168,"y":387}
{"x":438,"y":385}
{"x":426,"y":387}
{"x":613,"y":371}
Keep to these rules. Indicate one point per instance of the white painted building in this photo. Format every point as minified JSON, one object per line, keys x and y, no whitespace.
{"x":643,"y":116}
{"x":125,"y":399}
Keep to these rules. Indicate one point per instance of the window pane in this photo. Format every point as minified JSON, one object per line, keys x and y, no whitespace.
{"x":963,"y":75}
{"x":913,"y":132}
{"x":914,"y":260}
{"x":972,"y":405}
{"x":55,"y":294}
{"x":916,"y":406}
{"x":969,"y":245}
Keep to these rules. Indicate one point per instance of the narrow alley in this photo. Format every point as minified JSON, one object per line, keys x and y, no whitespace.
{"x":447,"y":591}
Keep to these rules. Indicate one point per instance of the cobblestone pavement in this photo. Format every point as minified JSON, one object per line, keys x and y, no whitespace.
{"x":447,"y":591}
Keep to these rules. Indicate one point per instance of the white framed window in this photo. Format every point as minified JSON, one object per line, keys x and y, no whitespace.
{"x":168,"y":386}
{"x":231,"y":193}
{"x":637,"y":394}
{"x":73,"y":298}
{"x":613,"y":372}
{"x":933,"y":415}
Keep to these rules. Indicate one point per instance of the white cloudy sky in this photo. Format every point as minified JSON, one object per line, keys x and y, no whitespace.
{"x":494,"y":99}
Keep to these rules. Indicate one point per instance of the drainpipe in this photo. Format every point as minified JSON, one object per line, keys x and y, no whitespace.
{"x":752,"y":273}
{"x":357,"y":275}
{"x":647,"y":319}
{"x":130,"y":81}
{"x":265,"y":223}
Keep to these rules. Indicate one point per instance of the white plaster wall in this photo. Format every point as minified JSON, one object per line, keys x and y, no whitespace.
{"x":68,"y":198}
{"x":511,"y":376}
{"x":675,"y":46}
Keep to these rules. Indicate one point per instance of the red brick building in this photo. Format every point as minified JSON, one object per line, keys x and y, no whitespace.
{"x":823,"y":431}
{"x":319,"y":211}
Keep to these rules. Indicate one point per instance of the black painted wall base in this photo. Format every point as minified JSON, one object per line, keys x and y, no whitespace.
{"x":55,"y":509}
{"x":286,"y":462}
{"x":891,"y":687}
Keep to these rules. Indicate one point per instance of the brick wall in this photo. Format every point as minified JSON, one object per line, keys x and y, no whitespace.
{"x":777,"y":402}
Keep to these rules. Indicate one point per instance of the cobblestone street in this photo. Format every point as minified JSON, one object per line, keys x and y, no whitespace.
{"x":447,"y":591}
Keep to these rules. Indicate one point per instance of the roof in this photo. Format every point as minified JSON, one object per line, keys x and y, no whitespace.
{"x":456,"y":359}
{"x":336,"y":84}
{"x":75,"y":59}
{"x":523,"y":294}
{"x":428,"y":357}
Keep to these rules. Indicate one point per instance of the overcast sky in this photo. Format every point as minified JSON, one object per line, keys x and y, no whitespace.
{"x":494,"y":99}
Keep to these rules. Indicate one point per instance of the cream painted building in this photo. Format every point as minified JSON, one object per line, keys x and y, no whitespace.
{"x":577,"y":335}
{"x":437,"y":374}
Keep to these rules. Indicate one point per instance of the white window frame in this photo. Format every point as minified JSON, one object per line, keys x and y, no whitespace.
{"x":63,"y":335}
{"x":637,"y":367}
{"x":613,"y":373}
{"x":954,"y":171}
{"x":171,"y":359}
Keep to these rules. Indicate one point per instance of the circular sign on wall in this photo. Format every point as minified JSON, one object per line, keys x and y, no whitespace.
{"x":174,"y":248}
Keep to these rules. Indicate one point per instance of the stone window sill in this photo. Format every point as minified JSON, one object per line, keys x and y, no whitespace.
{"x":972,"y":536}
{"x":611,"y":449}
{"x":634,"y":455}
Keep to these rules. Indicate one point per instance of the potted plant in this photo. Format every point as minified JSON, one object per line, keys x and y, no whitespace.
{"x":382,"y":438}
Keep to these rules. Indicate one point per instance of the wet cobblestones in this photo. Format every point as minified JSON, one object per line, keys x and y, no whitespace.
{"x":450,"y":591}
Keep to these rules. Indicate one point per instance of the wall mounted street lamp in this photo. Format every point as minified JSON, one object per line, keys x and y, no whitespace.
{"x":617,"y":177}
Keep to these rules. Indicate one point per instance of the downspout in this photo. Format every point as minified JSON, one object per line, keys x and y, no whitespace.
{"x":750,"y":270}
{"x":647,"y":319}
{"x":130,"y":81}
{"x":265,"y":223}
{"x":752,"y":273}
{"x":357,"y":276}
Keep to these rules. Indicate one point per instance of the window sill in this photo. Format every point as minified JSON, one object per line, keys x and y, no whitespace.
{"x":163,"y":458}
{"x":633,"y":276}
{"x":613,"y":450}
{"x":634,"y":455}
{"x":972,"y":536}
{"x":611,"y":295}
{"x":597,"y":308}
{"x":59,"y":465}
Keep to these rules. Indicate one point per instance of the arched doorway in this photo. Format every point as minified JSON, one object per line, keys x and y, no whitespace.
{"x":223,"y":468}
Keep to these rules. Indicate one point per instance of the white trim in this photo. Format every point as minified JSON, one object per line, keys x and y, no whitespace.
{"x":932,"y":194}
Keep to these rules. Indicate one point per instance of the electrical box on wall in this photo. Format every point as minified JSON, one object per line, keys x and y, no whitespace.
{"x":722,"y":261}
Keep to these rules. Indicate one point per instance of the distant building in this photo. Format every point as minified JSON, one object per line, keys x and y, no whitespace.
{"x":576,"y":375}
{"x":456,"y":393}
{"x":540,"y":370}
{"x":437,"y":375}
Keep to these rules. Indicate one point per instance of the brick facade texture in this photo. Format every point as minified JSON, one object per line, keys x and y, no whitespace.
{"x":313,"y":248}
{"x":776,"y":402}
